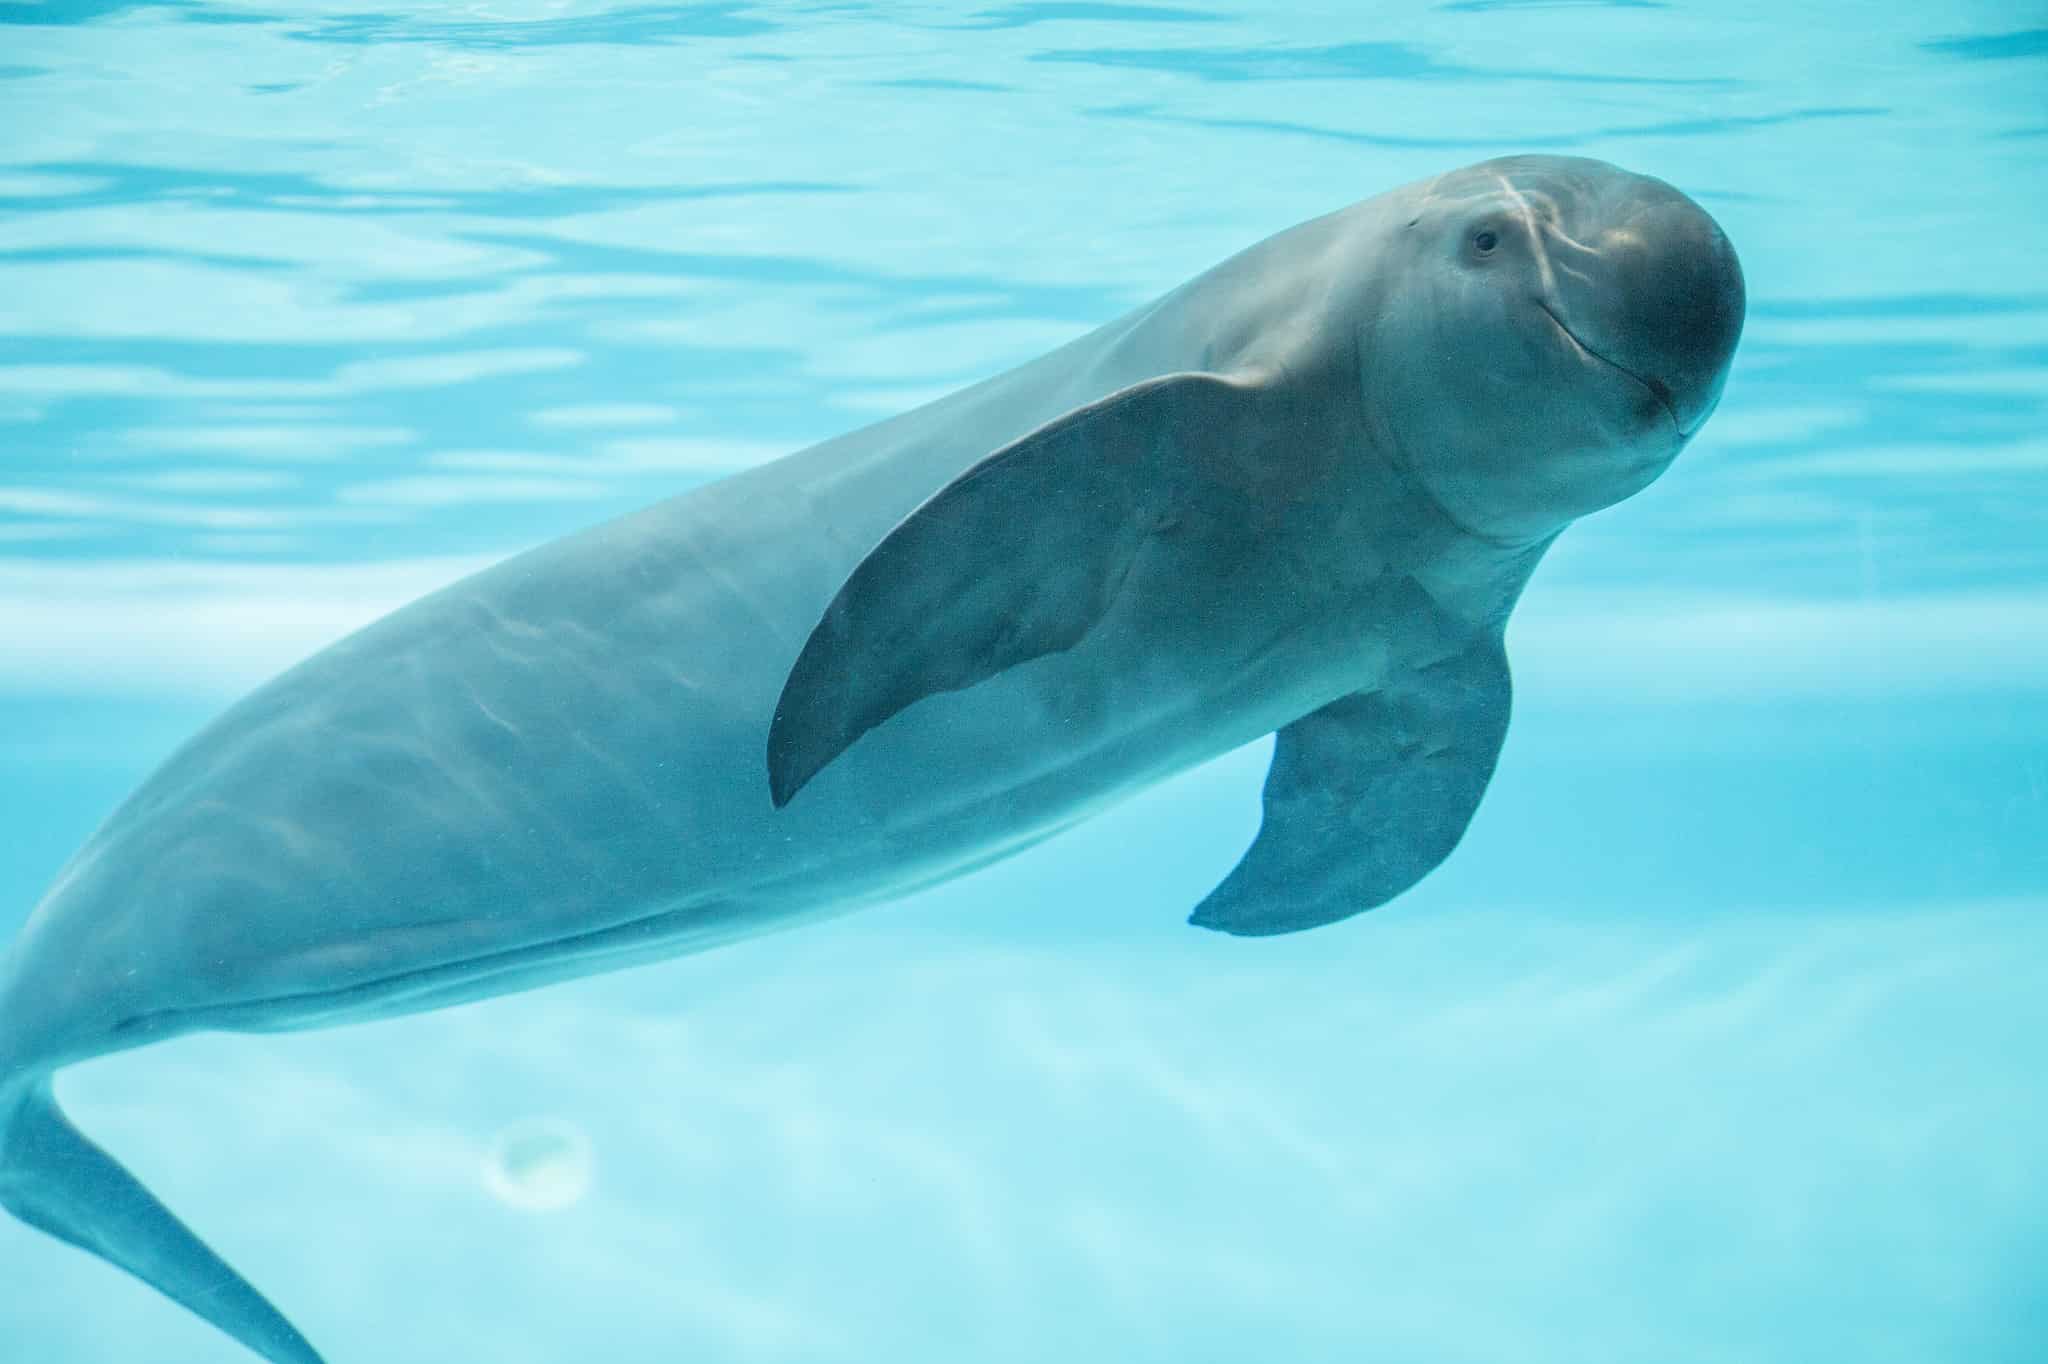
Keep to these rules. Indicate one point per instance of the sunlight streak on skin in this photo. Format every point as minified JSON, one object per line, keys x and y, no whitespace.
{"x":1535,"y":231}
{"x":1550,"y":228}
{"x":1543,"y":225}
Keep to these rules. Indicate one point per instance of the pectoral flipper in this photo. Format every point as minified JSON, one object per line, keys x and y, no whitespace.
{"x":1366,"y":796}
{"x":1019,"y":557}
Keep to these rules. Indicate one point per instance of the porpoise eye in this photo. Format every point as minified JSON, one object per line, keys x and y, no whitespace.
{"x":1485,"y":240}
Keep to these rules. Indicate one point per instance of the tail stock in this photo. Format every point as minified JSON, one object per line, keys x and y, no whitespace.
{"x":56,"y":1179}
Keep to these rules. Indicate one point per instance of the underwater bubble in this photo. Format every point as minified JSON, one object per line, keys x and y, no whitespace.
{"x":539,"y":1164}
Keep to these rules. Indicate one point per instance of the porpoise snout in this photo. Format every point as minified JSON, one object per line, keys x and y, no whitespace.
{"x":1656,"y":290}
{"x":1684,"y":302}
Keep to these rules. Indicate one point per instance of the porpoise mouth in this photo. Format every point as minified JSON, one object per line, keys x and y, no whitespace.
{"x":1658,"y":389}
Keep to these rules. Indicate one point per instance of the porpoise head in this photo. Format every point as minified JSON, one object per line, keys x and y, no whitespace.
{"x":1552,"y":333}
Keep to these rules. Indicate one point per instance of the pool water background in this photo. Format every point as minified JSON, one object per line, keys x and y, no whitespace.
{"x":1721,"y":1035}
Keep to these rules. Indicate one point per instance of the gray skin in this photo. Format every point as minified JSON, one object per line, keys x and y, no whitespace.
{"x":1300,"y":493}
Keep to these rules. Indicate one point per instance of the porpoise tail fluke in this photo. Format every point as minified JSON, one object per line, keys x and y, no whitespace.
{"x":55,"y":1178}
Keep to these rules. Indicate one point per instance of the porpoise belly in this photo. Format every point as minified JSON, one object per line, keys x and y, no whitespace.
{"x":558,"y":766}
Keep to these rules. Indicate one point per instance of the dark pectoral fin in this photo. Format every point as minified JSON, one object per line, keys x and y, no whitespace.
{"x":1366,"y":796}
{"x":1017,"y":558}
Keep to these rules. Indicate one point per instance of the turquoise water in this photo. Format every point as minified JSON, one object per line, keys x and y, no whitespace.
{"x":1719,"y":1038}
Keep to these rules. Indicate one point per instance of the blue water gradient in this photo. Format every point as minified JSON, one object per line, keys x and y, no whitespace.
{"x":1721,"y":1036}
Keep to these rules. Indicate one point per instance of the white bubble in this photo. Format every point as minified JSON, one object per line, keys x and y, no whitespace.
{"x":538,"y":1164}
